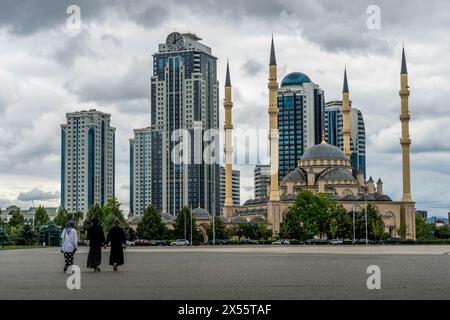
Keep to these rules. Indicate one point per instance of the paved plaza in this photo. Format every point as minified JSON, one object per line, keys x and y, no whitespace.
{"x":228,"y":272}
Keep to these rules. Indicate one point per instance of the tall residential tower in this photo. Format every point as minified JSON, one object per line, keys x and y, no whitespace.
{"x":87,"y":160}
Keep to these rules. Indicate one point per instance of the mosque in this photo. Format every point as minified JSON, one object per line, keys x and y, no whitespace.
{"x":322,"y":168}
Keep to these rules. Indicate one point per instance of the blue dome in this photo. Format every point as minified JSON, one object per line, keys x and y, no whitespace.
{"x":295,"y":79}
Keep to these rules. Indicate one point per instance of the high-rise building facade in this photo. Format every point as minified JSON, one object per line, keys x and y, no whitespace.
{"x":143,"y":150}
{"x":184,"y":95}
{"x":235,"y":185}
{"x":300,"y":119}
{"x":334,"y":135}
{"x":261,"y":180}
{"x":87,"y":160}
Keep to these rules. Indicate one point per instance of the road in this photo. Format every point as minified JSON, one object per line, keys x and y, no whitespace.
{"x":243,"y":272}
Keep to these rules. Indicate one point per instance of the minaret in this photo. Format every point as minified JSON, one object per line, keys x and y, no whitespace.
{"x":346,"y":116}
{"x":405,"y":140}
{"x":228,"y":128}
{"x":273,"y":125}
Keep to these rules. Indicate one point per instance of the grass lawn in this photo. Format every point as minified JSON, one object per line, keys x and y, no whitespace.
{"x":14,"y":247}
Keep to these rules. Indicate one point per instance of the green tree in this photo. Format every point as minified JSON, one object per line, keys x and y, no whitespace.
{"x":112,"y":212}
{"x":220,"y":229}
{"x":442,"y":232}
{"x":61,"y":219}
{"x":26,"y":236}
{"x":313,"y":211}
{"x":339,"y":223}
{"x":3,"y":234}
{"x":250,"y":230}
{"x":238,"y":230}
{"x":41,"y":217}
{"x":263,"y":232}
{"x":151,"y":226}
{"x":95,"y":211}
{"x":402,"y":230}
{"x":375,"y":224}
{"x":424,"y":230}
{"x":16,"y":219}
{"x":292,"y":228}
{"x":14,"y":232}
{"x":49,"y":233}
{"x":182,"y":219}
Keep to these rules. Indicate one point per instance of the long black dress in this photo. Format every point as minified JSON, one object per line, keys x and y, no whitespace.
{"x":96,"y":239}
{"x":116,"y":236}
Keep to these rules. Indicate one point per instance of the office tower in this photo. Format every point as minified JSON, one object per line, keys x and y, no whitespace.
{"x":424,"y":214}
{"x":261,"y":180}
{"x":184,"y":95}
{"x":87,"y":160}
{"x":334,"y":135}
{"x":300,"y":118}
{"x":236,"y":187}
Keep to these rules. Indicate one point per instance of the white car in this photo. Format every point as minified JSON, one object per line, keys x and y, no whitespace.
{"x":180,"y":243}
{"x":281,"y":242}
{"x":336,"y":241}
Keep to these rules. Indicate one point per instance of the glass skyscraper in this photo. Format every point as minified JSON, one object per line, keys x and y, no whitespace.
{"x":184,"y":95}
{"x":300,"y":119}
{"x":333,"y":133}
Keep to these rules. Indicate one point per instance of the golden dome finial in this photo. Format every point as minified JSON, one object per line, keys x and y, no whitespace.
{"x":323,"y":138}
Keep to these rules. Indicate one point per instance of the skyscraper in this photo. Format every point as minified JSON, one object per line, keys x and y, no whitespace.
{"x":184,"y":95}
{"x":300,"y":119}
{"x":143,"y":149}
{"x":334,"y":135}
{"x":87,"y":160}
{"x":235,"y":186}
{"x":261,"y":180}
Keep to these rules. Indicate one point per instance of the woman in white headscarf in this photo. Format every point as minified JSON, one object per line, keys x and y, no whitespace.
{"x":69,"y":239}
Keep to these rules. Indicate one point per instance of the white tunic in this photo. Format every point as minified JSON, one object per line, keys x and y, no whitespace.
{"x":69,"y":239}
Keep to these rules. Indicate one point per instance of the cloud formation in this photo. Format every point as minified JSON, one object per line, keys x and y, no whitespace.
{"x":47,"y":71}
{"x":36,"y":194}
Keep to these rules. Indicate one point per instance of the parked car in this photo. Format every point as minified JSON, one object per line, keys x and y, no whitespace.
{"x":130,"y":243}
{"x":143,"y":243}
{"x":281,"y":242}
{"x":308,"y":241}
{"x":218,"y":242}
{"x":159,"y":243}
{"x":362,"y":241}
{"x":248,"y":241}
{"x":336,"y":241}
{"x":391,"y":241}
{"x":180,"y":243}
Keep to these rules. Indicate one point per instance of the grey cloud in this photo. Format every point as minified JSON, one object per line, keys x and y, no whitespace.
{"x":23,"y":17}
{"x":36,"y":194}
{"x":73,"y":48}
{"x":114,"y":87}
{"x":151,"y":17}
{"x":252,"y":67}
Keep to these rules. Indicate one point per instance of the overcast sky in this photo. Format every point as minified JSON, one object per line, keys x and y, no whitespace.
{"x":47,"y":70}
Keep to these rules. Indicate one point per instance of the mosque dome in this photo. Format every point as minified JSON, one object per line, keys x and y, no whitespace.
{"x":324,"y":151}
{"x":200,"y":213}
{"x":167,"y":217}
{"x":295,"y":79}
{"x":337,"y":174}
{"x":294,"y":176}
{"x":238,"y":219}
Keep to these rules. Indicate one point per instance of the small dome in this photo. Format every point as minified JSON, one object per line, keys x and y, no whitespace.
{"x":135,"y":219}
{"x":295,"y":79}
{"x":256,"y":201}
{"x":367,"y":197}
{"x":288,"y":197}
{"x":258,"y":220}
{"x":333,"y":196}
{"x":166,"y":217}
{"x":200,"y":213}
{"x":295,"y":176}
{"x":350,"y":197}
{"x":337,"y":174}
{"x":223,"y":219}
{"x":382,"y":197}
{"x":238,"y":219}
{"x":324,"y":151}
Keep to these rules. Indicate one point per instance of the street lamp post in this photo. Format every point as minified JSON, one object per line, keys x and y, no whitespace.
{"x":354,"y":227}
{"x":214,"y":229}
{"x":367,"y":241}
